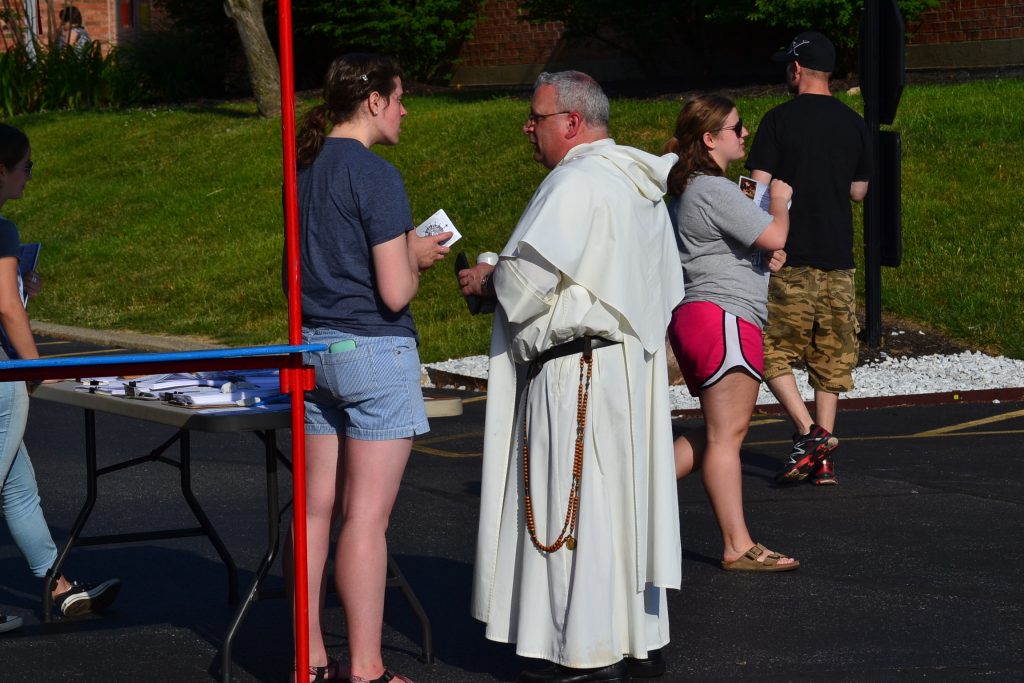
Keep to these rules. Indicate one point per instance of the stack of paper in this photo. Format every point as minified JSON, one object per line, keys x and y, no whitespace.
{"x":193,"y":390}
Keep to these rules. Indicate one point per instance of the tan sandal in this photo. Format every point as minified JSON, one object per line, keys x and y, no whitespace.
{"x":751,"y":561}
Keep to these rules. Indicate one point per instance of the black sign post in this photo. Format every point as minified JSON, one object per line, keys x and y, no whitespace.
{"x":882,"y":70}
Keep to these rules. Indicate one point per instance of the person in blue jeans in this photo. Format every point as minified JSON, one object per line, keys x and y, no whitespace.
{"x":20,"y":494}
{"x":361,"y":261}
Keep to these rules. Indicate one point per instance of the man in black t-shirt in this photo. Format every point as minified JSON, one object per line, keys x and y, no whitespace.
{"x":819,"y":146}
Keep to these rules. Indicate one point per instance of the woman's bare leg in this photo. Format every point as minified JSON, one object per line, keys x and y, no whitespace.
{"x":373,"y":473}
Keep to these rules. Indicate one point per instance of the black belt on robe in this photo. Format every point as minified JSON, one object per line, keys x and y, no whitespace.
{"x":582,"y":345}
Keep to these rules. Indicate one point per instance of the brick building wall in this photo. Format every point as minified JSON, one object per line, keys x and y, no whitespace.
{"x":957,"y":21}
{"x":500,"y":38}
{"x":507,"y":51}
{"x":957,"y":34}
{"x":108,"y":21}
{"x":968,"y":33}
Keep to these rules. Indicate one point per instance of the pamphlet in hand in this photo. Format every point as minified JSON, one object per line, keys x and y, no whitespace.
{"x":759,"y":192}
{"x":437,"y":224}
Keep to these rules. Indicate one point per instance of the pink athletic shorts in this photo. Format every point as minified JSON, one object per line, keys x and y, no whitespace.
{"x":708,"y":342}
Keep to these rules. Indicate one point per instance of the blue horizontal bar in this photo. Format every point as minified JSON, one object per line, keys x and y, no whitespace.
{"x":80,"y":361}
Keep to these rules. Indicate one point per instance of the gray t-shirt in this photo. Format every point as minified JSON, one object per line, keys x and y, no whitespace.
{"x":717,"y":225}
{"x":350,"y":200}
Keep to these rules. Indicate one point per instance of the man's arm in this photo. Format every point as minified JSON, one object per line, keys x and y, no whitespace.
{"x":761,"y":176}
{"x":858,"y":190}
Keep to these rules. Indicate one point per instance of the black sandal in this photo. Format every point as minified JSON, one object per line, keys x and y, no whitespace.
{"x":385,"y":677}
{"x":328,"y":672}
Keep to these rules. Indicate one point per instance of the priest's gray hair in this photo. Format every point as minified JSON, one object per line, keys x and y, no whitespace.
{"x":578,"y":92}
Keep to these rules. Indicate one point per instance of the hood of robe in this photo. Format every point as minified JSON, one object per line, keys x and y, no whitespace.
{"x":599,"y":218}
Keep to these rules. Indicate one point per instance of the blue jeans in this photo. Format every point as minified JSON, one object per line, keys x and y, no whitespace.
{"x":20,"y":495}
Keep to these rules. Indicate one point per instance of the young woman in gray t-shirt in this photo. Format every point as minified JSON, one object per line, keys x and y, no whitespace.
{"x":727,"y":247}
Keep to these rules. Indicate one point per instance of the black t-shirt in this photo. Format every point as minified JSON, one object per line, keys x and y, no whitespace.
{"x":819,"y":146}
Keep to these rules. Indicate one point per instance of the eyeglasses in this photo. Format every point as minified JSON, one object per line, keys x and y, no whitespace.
{"x":533,"y":118}
{"x":738,"y":128}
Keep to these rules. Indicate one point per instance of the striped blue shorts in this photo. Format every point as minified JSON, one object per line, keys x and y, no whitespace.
{"x":368,"y":388}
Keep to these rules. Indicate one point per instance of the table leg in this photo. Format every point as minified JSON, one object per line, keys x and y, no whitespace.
{"x":397,"y":578}
{"x":269,"y":439}
{"x":204,"y":522}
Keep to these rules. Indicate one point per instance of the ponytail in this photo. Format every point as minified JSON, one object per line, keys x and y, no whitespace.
{"x":312,"y":130}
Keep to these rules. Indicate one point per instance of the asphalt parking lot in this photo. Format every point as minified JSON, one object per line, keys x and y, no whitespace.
{"x":913,"y":566}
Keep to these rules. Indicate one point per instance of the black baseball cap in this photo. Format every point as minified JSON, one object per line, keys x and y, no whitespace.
{"x":812,"y":50}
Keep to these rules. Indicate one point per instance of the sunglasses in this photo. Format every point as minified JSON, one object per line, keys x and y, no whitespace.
{"x":738,"y":128}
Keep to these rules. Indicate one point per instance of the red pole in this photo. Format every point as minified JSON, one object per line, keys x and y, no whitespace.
{"x":296,"y":382}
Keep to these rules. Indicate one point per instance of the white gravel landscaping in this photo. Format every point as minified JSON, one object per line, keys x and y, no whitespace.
{"x":891,"y":376}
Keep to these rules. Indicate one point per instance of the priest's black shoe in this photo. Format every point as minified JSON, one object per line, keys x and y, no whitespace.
{"x":651,"y":666}
{"x":556,"y":673}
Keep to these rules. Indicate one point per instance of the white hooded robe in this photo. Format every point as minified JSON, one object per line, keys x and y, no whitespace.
{"x":593,"y":254}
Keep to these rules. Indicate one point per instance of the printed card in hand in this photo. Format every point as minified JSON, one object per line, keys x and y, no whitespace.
{"x":756,"y":191}
{"x":437,"y":224}
{"x":759,"y":192}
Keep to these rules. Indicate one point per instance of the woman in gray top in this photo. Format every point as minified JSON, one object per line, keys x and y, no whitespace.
{"x":728,"y":245}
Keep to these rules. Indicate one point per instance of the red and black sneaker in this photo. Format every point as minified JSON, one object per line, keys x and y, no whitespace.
{"x":824,"y":473}
{"x":808,"y":451}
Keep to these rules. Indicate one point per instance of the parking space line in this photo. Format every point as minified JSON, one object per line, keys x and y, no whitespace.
{"x":973,"y":423}
{"x":424,"y":445}
{"x":426,"y":450}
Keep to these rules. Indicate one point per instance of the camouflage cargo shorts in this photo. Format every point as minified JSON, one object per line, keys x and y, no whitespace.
{"x":812,"y":317}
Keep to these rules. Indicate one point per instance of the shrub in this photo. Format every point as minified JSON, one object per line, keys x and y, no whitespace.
{"x":196,"y":52}
{"x":424,"y":35}
{"x":40,"y":78}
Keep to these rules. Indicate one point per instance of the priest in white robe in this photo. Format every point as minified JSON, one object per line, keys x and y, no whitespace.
{"x":579,"y":579}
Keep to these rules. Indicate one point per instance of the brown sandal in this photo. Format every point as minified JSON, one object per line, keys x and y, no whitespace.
{"x":751,"y":561}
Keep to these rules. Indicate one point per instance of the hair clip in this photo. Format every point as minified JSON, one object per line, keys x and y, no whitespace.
{"x":364,"y":78}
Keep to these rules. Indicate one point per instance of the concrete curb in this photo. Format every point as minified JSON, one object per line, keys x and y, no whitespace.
{"x":127,"y":340}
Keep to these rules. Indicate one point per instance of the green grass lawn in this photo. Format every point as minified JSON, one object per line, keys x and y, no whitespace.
{"x":169,"y":220}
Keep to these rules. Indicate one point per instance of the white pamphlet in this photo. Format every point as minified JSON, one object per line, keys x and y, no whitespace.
{"x":437,"y":224}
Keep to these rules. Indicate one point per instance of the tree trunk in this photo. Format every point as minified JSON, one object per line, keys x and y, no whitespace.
{"x":264,"y":73}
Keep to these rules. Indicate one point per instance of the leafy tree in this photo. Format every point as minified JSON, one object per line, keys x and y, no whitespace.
{"x":653,"y":30}
{"x":838,"y":19}
{"x":650,"y":31}
{"x":207,"y":48}
{"x":194,"y":52}
{"x":424,"y":35}
{"x":264,"y":73}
